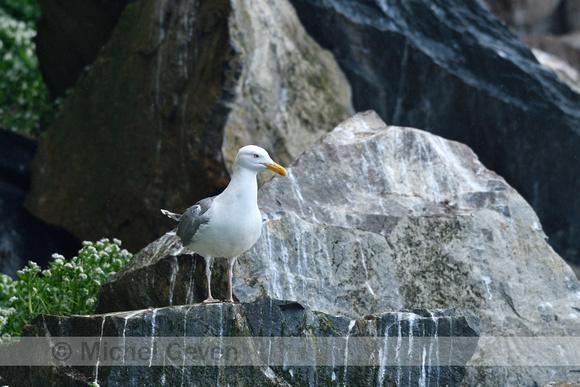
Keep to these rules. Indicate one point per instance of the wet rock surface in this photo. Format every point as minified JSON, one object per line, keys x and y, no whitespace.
{"x":453,"y":69}
{"x":266,"y":318}
{"x":376,"y":218}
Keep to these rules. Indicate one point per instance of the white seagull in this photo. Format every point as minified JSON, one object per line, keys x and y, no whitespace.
{"x":230,"y":223}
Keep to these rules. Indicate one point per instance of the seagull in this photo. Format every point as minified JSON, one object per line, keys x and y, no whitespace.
{"x":230,"y":223}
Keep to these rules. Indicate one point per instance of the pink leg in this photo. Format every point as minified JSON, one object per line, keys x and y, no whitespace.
{"x":230,"y":275}
{"x":209,"y":298}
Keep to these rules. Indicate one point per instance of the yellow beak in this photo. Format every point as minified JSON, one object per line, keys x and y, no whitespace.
{"x":277,"y":168}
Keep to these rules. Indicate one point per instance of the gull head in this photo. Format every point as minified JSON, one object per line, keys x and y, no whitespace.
{"x":257,"y":159}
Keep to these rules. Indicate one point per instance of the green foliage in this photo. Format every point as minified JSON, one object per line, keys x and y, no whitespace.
{"x":25,"y":103}
{"x":25,"y":10}
{"x":63,"y":289}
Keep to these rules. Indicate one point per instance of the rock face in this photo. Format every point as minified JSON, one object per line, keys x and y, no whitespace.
{"x":23,"y":237}
{"x":451,"y":68}
{"x":264,"y":319}
{"x":70,"y":36}
{"x":375,"y":218}
{"x":157,"y":120}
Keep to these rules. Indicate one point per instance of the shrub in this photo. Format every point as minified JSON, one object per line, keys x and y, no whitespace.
{"x":25,"y":103}
{"x":63,"y":289}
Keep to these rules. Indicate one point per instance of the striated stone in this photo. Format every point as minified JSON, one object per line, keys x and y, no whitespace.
{"x":376,"y":218}
{"x":157,"y":119}
{"x":451,"y":68}
{"x":267,"y":321}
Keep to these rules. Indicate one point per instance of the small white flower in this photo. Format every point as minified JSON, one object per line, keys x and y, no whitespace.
{"x":91,"y":301}
{"x":83,"y":276}
{"x":68,"y":265}
{"x":12,"y":299}
{"x":23,"y":271}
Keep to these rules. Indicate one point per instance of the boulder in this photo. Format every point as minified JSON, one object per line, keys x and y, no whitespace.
{"x":158,"y":119}
{"x":451,"y":68}
{"x":376,"y":218}
{"x":259,"y":327}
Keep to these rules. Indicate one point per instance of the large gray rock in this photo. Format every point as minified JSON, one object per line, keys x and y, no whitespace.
{"x":451,"y":68}
{"x":157,"y":120}
{"x":375,"y":218}
{"x":262,"y":320}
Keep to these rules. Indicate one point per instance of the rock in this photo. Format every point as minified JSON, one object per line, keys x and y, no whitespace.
{"x":375,"y":218}
{"x":156,"y":121}
{"x":563,"y":70}
{"x":266,"y":321}
{"x":576,"y":269}
{"x":527,"y":16}
{"x":565,"y":47}
{"x":562,"y":384}
{"x":572,"y":11}
{"x":451,"y":68}
{"x":70,"y":35}
{"x":23,"y":237}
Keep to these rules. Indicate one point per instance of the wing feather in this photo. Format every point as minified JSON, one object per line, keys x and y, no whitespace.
{"x":192,"y":219}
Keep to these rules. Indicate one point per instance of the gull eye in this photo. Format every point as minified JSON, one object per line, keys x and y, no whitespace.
{"x":256,"y":156}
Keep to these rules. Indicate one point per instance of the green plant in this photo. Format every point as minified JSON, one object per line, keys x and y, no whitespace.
{"x":63,"y":289}
{"x":25,"y":103}
{"x":27,"y":10}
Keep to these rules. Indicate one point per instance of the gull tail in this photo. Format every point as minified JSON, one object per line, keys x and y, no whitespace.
{"x":171,"y":215}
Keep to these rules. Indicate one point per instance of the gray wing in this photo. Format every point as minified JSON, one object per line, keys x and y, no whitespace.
{"x":191,"y":219}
